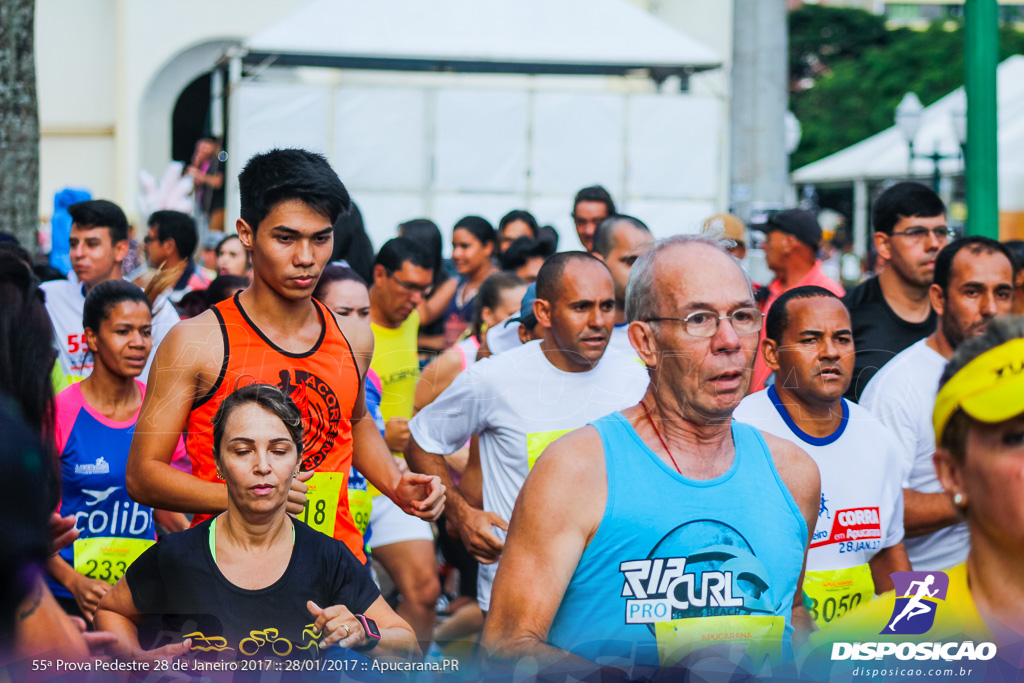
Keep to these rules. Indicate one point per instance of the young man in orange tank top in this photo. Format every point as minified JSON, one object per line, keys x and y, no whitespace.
{"x":274,"y":332}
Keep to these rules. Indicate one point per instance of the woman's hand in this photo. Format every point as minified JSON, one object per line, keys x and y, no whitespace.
{"x":88,"y":593}
{"x":337,"y":625}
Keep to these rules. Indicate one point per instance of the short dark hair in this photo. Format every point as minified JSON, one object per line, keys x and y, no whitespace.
{"x":336,"y":273}
{"x":605,"y":232}
{"x":397,"y":251}
{"x":520,"y":251}
{"x":283,"y":174}
{"x":104,"y":296}
{"x":100,"y":213}
{"x":177,"y":226}
{"x":1015,"y":248}
{"x":549,"y":236}
{"x":479,"y":227}
{"x":425,"y":232}
{"x":904,"y":200}
{"x":266,"y":396}
{"x":519,"y":215}
{"x":976,"y":244}
{"x":594,"y":193}
{"x":551,"y":272}
{"x":777,"y":320}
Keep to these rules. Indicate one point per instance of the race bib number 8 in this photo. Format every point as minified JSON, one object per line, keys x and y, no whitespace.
{"x":538,"y":441}
{"x":107,"y":558}
{"x":322,"y":499}
{"x":759,"y":637}
{"x":832,"y":593}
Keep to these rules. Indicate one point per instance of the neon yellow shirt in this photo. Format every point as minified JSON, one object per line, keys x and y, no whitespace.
{"x":396,"y":361}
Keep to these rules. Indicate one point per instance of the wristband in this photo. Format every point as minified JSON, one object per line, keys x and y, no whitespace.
{"x":372,"y":632}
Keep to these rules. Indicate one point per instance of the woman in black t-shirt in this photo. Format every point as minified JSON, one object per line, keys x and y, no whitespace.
{"x":253,"y":582}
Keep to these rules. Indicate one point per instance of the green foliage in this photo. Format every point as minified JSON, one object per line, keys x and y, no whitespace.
{"x":820,"y":35}
{"x":857,"y":96}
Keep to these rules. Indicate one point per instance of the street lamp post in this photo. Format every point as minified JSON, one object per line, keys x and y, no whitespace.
{"x":908,"y":120}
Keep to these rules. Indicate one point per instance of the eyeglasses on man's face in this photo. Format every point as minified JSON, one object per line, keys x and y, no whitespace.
{"x":412,"y":288}
{"x":921,"y":233}
{"x":705,"y":323}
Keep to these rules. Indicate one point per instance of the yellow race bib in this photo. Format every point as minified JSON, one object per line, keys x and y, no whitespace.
{"x":107,"y":558}
{"x":832,"y":593}
{"x":538,"y":441}
{"x":322,"y":500}
{"x":759,"y":637}
{"x":360,"y":503}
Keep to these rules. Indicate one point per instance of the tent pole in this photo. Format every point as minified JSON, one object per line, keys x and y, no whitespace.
{"x":860,"y":217}
{"x":980,"y":61}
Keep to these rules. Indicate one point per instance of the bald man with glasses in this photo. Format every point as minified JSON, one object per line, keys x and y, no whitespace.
{"x":638,"y":564}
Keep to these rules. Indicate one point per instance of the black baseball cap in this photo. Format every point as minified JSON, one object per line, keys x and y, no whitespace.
{"x":798,"y":223}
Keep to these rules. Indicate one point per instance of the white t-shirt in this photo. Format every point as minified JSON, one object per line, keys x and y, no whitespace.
{"x":861,"y":470}
{"x":65,"y":302}
{"x":902,"y":395}
{"x":518,"y":403}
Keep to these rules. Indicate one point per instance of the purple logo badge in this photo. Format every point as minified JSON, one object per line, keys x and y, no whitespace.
{"x":917,"y":598}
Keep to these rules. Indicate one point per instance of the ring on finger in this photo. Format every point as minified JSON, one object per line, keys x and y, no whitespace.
{"x":348,"y":631}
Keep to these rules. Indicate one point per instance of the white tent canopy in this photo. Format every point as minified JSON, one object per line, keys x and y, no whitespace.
{"x":887,"y":155}
{"x":485,"y":36}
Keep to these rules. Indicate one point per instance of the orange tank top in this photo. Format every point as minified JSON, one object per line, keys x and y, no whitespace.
{"x":324,"y":382}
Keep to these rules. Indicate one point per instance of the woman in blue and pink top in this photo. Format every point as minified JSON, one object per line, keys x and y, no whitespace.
{"x":95,"y":420}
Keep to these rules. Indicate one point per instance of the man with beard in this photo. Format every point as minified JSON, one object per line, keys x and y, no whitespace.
{"x":973,"y":283}
{"x":892,"y":311}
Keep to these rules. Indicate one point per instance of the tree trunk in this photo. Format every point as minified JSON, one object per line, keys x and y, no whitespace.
{"x":19,"y":123}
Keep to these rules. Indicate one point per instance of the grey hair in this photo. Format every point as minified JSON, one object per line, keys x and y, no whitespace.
{"x":641,"y":293}
{"x":998,"y":331}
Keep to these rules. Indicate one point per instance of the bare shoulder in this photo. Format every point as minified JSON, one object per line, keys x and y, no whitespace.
{"x":797,"y":469}
{"x":570,"y":476}
{"x":359,"y":336}
{"x":197,"y":339}
{"x":191,"y":354}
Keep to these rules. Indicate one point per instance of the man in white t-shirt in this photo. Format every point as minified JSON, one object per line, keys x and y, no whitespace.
{"x":973,"y":283}
{"x":525,"y":398}
{"x":98,"y":245}
{"x":858,"y":538}
{"x":618,"y":241}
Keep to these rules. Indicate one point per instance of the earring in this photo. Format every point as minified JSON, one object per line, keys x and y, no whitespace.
{"x":958,"y":500}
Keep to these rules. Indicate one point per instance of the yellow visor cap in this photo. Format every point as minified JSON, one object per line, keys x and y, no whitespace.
{"x":989,"y":389}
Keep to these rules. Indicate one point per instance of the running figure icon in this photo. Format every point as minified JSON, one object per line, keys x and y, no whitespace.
{"x":915,"y":605}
